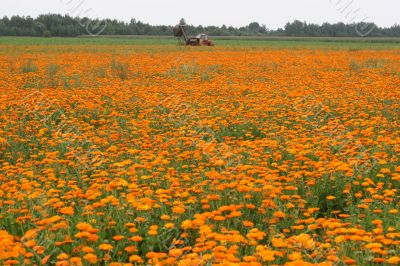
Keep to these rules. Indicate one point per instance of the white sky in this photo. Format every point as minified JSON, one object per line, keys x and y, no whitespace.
{"x":215,"y":12}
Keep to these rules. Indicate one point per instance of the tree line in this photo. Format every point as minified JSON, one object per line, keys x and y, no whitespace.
{"x":67,"y":26}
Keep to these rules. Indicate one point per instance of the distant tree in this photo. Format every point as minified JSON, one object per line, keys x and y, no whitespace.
{"x":182,"y":21}
{"x":47,"y":33}
{"x":59,"y":25}
{"x":263,"y":29}
{"x":296,"y":28}
{"x":254,"y":26}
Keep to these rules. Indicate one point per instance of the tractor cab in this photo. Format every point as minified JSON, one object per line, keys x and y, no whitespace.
{"x":202,"y":37}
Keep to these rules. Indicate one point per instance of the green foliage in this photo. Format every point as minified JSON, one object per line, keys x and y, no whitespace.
{"x":47,"y":34}
{"x":247,"y":131}
{"x":119,"y":69}
{"x":58,"y":25}
{"x":354,"y":66}
{"x":52,"y":74}
{"x":29,"y":67}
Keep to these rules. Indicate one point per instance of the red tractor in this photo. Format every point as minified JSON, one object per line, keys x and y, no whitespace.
{"x":199,"y":40}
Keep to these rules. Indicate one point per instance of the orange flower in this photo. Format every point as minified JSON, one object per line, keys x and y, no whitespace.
{"x":118,"y":237}
{"x":279,"y":214}
{"x":175,"y":252}
{"x":84,"y":226}
{"x":135,"y":259}
{"x":165,"y":217}
{"x":88,"y":249}
{"x":136,"y":238}
{"x":130,"y":249}
{"x":278,"y":243}
{"x":76,"y":261}
{"x":91,"y":258}
{"x":106,"y":247}
{"x":295,"y":256}
{"x":178,"y":210}
{"x":66,"y":210}
{"x":393,"y":260}
{"x":169,"y":225}
{"x":248,"y":223}
{"x":62,"y":256}
{"x":205,"y":159}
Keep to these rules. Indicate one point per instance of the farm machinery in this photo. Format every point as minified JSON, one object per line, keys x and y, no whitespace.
{"x":184,"y":39}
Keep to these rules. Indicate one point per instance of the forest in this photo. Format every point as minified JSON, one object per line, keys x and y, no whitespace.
{"x":66,"y":26}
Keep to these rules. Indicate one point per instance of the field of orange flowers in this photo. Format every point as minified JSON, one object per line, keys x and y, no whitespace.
{"x":113,"y":155}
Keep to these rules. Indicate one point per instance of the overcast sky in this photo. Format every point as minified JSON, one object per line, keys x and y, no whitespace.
{"x":215,"y":12}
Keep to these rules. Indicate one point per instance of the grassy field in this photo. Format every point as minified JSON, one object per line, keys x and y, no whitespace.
{"x":279,"y":42}
{"x":124,"y":152}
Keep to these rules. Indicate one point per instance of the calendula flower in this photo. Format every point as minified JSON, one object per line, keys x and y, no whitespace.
{"x":90,"y":258}
{"x":106,"y":247}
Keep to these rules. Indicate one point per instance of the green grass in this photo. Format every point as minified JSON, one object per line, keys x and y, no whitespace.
{"x":84,"y":41}
{"x":284,"y":42}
